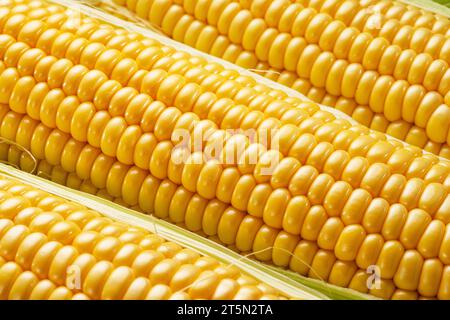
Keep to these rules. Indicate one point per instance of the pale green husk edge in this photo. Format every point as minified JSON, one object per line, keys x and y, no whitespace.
{"x":441,"y":7}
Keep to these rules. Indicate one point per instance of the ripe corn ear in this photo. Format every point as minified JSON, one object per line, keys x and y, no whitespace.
{"x":397,"y":69}
{"x":43,"y":237}
{"x":340,"y":197}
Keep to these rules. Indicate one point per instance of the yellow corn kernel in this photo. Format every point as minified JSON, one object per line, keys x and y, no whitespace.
{"x":111,"y":266}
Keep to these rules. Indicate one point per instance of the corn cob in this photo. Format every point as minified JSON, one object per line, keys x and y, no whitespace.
{"x":42,"y":236}
{"x":311,"y":109}
{"x":430,"y":148}
{"x":416,"y":135}
{"x":382,"y":17}
{"x":57,"y":174}
{"x":311,"y":156}
{"x":358,"y":281}
{"x":400,"y":129}
{"x":404,"y":83}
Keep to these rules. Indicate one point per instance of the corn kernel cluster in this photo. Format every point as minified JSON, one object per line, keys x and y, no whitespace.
{"x":381,"y":62}
{"x":98,"y":107}
{"x":44,"y":237}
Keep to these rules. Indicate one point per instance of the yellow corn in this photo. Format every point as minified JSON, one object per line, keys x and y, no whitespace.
{"x":51,"y":248}
{"x":103,"y":106}
{"x":399,"y":129}
{"x":383,"y":17}
{"x":387,"y":59}
{"x":343,"y":273}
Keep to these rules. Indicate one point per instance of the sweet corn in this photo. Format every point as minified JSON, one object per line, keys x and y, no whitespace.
{"x":389,"y":14}
{"x":102,"y":116}
{"x":384,"y":59}
{"x":400,"y":129}
{"x":44,"y":238}
{"x":342,"y":273}
{"x":417,"y":135}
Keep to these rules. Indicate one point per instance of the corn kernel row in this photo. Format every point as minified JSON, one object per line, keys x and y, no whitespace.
{"x":416,"y":137}
{"x":41,"y":236}
{"x":126,"y":42}
{"x":322,"y":262}
{"x":79,"y":69}
{"x":366,"y":16}
{"x":427,"y":110}
{"x":56,"y":20}
{"x":127,"y":138}
{"x":50,"y":124}
{"x":293,"y":18}
{"x":313,"y":42}
{"x":166,"y":186}
{"x":47,"y":61}
{"x":23,"y":285}
{"x":19,"y":87}
{"x":399,"y":129}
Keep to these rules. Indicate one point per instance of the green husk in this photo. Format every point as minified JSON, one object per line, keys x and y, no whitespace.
{"x":441,"y":7}
{"x":445,"y":3}
{"x":333,"y":292}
